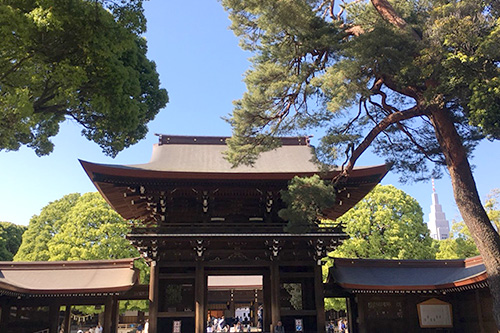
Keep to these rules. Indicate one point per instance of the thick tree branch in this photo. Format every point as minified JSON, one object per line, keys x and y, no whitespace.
{"x":406,"y":91}
{"x":388,"y":13}
{"x":15,"y":67}
{"x":391,"y":119}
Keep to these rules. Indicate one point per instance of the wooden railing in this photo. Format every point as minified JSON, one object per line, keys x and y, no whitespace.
{"x":227,"y":228}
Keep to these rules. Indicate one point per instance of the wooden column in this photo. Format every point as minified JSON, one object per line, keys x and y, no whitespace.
{"x":275,"y":296}
{"x":352,"y":313}
{"x":199,"y":298}
{"x":153,"y":297}
{"x":319,"y":300}
{"x":114,"y":314}
{"x":255,"y":307}
{"x":479,"y":311}
{"x":266,"y":318}
{"x":54,"y":317}
{"x":67,"y":319}
{"x":4,"y":318}
{"x":110,"y":324}
{"x":108,"y":315}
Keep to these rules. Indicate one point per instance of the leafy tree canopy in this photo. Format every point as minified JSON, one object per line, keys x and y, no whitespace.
{"x":80,"y":227}
{"x":311,"y":68}
{"x":493,"y":208}
{"x":82,"y":60}
{"x":386,"y":224}
{"x":10,"y":239}
{"x":76,"y":227}
{"x":461,"y":244}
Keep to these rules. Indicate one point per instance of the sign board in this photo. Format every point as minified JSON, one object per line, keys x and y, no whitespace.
{"x":299,"y":327}
{"x":434,"y":313}
{"x":176,"y":326}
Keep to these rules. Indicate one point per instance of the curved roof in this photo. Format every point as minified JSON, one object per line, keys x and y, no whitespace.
{"x":191,"y":157}
{"x":377,"y":275}
{"x":68,"y":277}
{"x":184,"y":158}
{"x":206,"y":155}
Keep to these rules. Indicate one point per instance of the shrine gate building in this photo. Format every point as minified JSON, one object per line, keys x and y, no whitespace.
{"x":196,"y":216}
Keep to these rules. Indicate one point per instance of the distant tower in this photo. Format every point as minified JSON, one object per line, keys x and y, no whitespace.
{"x":438,"y":224}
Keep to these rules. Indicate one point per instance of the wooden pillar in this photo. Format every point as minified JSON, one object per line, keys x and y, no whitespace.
{"x":362,"y":302}
{"x":153,"y":297}
{"x":266,"y":318}
{"x":255,"y":307}
{"x":114,"y":314}
{"x":54,"y":317}
{"x":67,"y":319}
{"x":479,"y":311}
{"x":199,"y":298}
{"x":232,"y":307}
{"x":275,"y":296}
{"x":352,"y":314}
{"x":110,"y":324}
{"x":319,"y":299}
{"x":108,"y":315}
{"x":4,"y":318}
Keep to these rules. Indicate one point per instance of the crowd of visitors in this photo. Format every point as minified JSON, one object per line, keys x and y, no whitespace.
{"x":96,"y":329}
{"x":339,"y":327}
{"x":222,"y":324}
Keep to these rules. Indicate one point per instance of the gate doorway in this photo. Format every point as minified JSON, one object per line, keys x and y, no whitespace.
{"x":235,"y":303}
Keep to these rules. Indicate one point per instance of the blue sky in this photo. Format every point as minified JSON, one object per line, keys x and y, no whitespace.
{"x":202,"y":67}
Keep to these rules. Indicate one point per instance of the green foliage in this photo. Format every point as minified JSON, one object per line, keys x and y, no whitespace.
{"x":43,"y":227}
{"x":335,"y":304}
{"x":306,"y":198}
{"x":77,"y":227}
{"x":386,"y":224}
{"x":75,"y":60}
{"x":309,"y":70}
{"x":10,"y":239}
{"x":459,"y":246}
{"x":80,"y":227}
{"x":493,"y":208}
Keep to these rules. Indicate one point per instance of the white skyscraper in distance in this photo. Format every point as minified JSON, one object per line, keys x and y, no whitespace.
{"x":438,"y":224}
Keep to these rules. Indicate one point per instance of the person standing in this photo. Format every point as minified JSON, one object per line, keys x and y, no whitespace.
{"x":279,"y":327}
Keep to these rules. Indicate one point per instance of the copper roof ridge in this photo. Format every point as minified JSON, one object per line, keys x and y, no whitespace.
{"x":221,"y":140}
{"x":74,"y":264}
{"x":474,"y":261}
{"x":344,"y":262}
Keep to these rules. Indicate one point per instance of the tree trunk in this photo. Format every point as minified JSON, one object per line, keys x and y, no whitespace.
{"x":468,"y":202}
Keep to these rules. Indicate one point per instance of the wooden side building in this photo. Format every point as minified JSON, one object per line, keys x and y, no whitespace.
{"x":33,"y":293}
{"x":392,"y":295}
